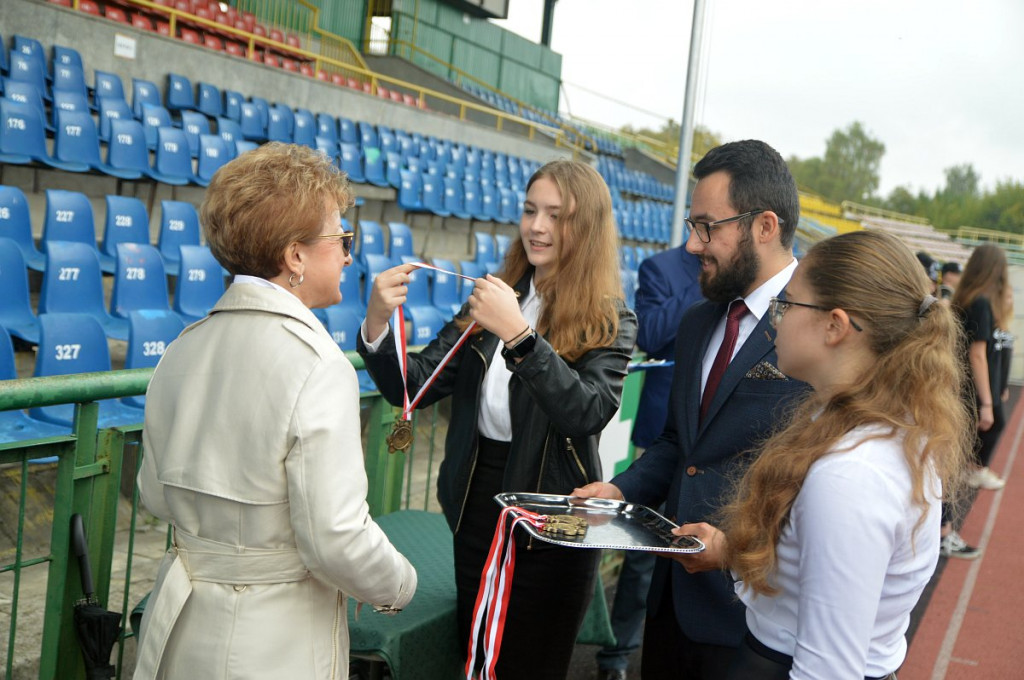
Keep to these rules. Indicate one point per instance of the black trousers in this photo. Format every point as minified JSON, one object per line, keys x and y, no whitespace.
{"x":669,"y":655}
{"x":755,"y":661}
{"x":986,"y":441}
{"x":551,"y":587}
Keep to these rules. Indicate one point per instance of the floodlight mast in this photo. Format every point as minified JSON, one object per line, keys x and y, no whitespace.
{"x":686,"y":129}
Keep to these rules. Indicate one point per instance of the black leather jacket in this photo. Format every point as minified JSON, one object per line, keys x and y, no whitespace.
{"x":558,"y":408}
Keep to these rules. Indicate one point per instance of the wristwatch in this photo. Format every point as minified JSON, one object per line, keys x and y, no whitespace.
{"x":521,"y":348}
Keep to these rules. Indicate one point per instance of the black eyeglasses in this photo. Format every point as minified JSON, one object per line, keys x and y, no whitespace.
{"x":777,"y":308}
{"x":345,"y":237}
{"x":703,"y":229}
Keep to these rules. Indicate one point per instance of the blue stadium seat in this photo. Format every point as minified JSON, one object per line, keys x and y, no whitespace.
{"x":179,"y":93}
{"x":74,"y":343}
{"x":473,"y":194}
{"x":327,"y":148}
{"x":627,"y":257}
{"x":352,"y":162}
{"x":150,"y":331}
{"x":109,"y":110}
{"x":304,"y":130}
{"x":68,"y":218}
{"x":426,"y":319}
{"x":16,"y":225}
{"x":455,"y":198}
{"x":199,"y":284}
{"x":233,"y":105}
{"x":485,"y":250}
{"x":144,"y":92}
{"x":153,"y":118}
{"x":367,"y":135}
{"x":348,"y":133}
{"x":64,"y":100}
{"x":509,"y":209}
{"x":327,"y":126}
{"x":72,"y":283}
{"x":27,"y":93}
{"x":400,"y":242}
{"x":107,"y":85}
{"x":213,"y":153}
{"x":410,"y":193}
{"x":22,"y":134}
{"x":140,"y":281}
{"x":127,"y":153}
{"x":127,"y":222}
{"x":433,"y":195}
{"x":351,"y":293}
{"x":502,"y":243}
{"x":194,"y":124}
{"x":343,"y":325}
{"x":388,"y":140}
{"x":29,"y":69}
{"x":76,"y":145}
{"x":393,"y":169}
{"x":445,"y":292}
{"x":16,"y":313}
{"x":231,"y":133}
{"x":490,"y":202}
{"x":179,"y":226}
{"x":369,"y":241}
{"x":17,"y":426}
{"x":629,"y":286}
{"x":243,"y":145}
{"x":280,"y":124}
{"x":209,"y":100}
{"x":30,"y":47}
{"x":253,"y":127}
{"x":373,"y":264}
{"x":172,"y":162}
{"x":473,"y":270}
{"x":69,"y":78}
{"x":374,"y":167}
{"x":263,"y":106}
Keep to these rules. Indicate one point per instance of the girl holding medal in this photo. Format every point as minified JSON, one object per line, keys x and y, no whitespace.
{"x":535,"y":363}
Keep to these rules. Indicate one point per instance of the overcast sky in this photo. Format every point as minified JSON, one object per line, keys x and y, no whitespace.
{"x":939,"y":82}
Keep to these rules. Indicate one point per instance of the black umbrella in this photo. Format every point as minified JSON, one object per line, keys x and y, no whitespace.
{"x":97,"y":628}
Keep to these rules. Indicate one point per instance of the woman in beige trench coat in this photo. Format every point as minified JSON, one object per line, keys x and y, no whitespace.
{"x":252,"y":446}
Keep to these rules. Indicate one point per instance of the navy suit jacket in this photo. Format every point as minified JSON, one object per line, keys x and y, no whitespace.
{"x":668,"y":287}
{"x":691,"y":465}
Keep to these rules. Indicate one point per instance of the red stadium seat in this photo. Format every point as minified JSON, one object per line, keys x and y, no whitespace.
{"x":292,"y":40}
{"x":270,"y":59}
{"x":289,"y":65}
{"x":191,"y":36}
{"x":163,"y":27}
{"x":116,"y":14}
{"x":367,"y":87}
{"x":353,"y":83}
{"x":258,"y":29}
{"x":141,"y":21}
{"x":62,"y":3}
{"x":307,"y":70}
{"x":276,"y":34}
{"x":234,"y":49}
{"x":89,"y":7}
{"x":183,"y":6}
{"x":324,"y":76}
{"x":338,"y":79}
{"x":203,"y":13}
{"x":396,"y":96}
{"x":410,"y":100}
{"x":383,"y":92}
{"x":213,"y":42}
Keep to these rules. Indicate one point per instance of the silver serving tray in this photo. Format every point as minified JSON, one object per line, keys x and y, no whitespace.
{"x":617,"y":525}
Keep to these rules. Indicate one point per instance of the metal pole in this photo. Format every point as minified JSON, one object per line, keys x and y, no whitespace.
{"x":686,"y":130}
{"x":549,"y":20}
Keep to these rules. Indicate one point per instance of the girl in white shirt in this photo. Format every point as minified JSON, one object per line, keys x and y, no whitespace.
{"x":834,"y":529}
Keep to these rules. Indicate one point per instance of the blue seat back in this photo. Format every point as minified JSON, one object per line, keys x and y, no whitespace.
{"x":150,"y":332}
{"x":209,"y":100}
{"x":304,"y":130}
{"x":253,"y":127}
{"x":374,"y":264}
{"x":172,"y":161}
{"x":213,"y":153}
{"x":179,"y":226}
{"x":65,"y":100}
{"x":69,"y":78}
{"x":501,"y":242}
{"x":25,"y":93}
{"x":368,"y":135}
{"x":280,"y":124}
{"x":410,"y":193}
{"x":22,"y":133}
{"x":179,"y":93}
{"x":231,"y":133}
{"x":110,"y":110}
{"x":16,"y":303}
{"x":343,"y":325}
{"x":140,"y":281}
{"x":454,"y":198}
{"x":373,"y":166}
{"x":327,"y":126}
{"x":347,"y":131}
{"x":327,"y":148}
{"x":107,"y":85}
{"x":233,"y":105}
{"x":199,"y":284}
{"x":352,"y":162}
{"x":351,"y":295}
{"x":72,"y":281}
{"x":76,"y":145}
{"x":369,"y":239}
{"x":28,"y":69}
{"x":474,"y":199}
{"x":194,"y":124}
{"x":485,"y":251}
{"x":16,"y":224}
{"x":153,"y":118}
{"x":445,"y":292}
{"x":144,"y":92}
{"x":126,"y":222}
{"x":127,"y":154}
{"x":400,"y":241}
{"x":71,"y":343}
{"x":69,"y":218}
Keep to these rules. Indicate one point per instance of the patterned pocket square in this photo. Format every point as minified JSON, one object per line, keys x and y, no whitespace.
{"x":765,"y":371}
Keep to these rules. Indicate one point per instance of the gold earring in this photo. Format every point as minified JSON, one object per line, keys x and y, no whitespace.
{"x":293,"y":283}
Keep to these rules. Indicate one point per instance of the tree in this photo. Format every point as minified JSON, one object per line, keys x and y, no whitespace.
{"x":961,"y":181}
{"x":849,"y":169}
{"x":703,"y":139}
{"x":901,"y":200}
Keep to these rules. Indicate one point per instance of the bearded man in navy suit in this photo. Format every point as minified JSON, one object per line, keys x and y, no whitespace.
{"x":726,"y":396}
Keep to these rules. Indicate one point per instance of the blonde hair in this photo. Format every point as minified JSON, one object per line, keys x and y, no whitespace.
{"x":912,"y":388}
{"x":987,"y":275}
{"x":265,"y":199}
{"x":583,"y":293}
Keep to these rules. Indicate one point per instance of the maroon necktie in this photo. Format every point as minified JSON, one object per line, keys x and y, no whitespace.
{"x":737,"y":310}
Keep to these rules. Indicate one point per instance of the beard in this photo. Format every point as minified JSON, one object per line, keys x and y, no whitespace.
{"x":733,"y":280}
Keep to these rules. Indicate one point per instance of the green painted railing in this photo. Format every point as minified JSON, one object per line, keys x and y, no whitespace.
{"x":95,"y":468}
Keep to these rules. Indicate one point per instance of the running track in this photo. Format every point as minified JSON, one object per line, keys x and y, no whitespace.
{"x":972,"y":627}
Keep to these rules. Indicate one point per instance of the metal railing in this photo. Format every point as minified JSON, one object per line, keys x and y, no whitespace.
{"x":95,"y":469}
{"x":861,"y":210}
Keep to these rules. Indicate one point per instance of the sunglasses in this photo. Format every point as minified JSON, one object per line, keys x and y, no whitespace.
{"x":345,"y":237}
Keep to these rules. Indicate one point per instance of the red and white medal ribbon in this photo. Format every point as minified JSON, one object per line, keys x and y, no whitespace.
{"x":398,"y":324}
{"x":492,"y":597}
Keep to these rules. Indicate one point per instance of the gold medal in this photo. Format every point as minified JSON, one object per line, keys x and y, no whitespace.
{"x":565,"y":526}
{"x":400,"y":438}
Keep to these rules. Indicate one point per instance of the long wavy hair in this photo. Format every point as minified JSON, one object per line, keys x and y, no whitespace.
{"x":986,"y":275}
{"x":912,"y":389}
{"x":582,"y":294}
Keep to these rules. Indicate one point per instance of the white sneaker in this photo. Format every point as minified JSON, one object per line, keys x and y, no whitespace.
{"x":953,"y":545}
{"x":984,"y":478}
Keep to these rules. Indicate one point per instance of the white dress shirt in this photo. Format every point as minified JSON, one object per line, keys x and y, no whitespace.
{"x":852,"y":563}
{"x":757,"y":303}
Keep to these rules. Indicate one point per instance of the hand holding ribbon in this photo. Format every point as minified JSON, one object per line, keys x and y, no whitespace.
{"x":389,"y":292}
{"x":494,"y":306}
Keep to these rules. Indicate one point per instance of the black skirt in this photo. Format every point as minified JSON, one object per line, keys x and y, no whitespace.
{"x":551,"y":587}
